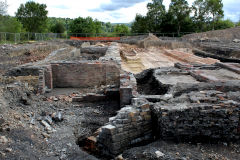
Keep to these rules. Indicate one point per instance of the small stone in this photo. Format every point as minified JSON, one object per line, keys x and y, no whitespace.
{"x":25,"y":116}
{"x":45,"y":135}
{"x":48,"y":119}
{"x":63,"y":156}
{"x":57,"y":117}
{"x":69,"y":144}
{"x":120,"y":157}
{"x":8,"y":149}
{"x":159,"y":154}
{"x":3,"y":139}
{"x":64,"y":150}
{"x":236,"y":40}
{"x":3,"y":154}
{"x":17,"y":117}
{"x":46,"y":125}
{"x":32,"y":121}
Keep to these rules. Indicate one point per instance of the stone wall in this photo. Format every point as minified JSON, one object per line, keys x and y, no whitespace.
{"x":84,"y":74}
{"x":197,"y":121}
{"x":131,"y":126}
{"x":128,"y":88}
{"x":48,"y":76}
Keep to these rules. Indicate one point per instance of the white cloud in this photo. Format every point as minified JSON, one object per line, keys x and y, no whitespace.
{"x":84,"y":8}
{"x":74,"y":9}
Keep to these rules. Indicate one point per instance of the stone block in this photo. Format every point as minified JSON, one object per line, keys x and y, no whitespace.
{"x":109,"y":129}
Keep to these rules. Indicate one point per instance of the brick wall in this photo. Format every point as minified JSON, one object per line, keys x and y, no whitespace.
{"x":84,"y":74}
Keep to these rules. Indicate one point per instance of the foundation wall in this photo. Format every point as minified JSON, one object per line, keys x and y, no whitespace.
{"x":84,"y":74}
{"x":198,"y":121}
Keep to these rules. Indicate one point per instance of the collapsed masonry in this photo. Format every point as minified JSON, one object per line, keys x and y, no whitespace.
{"x":184,"y":102}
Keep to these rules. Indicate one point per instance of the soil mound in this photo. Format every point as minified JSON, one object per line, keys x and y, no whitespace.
{"x":150,"y":41}
{"x":226,"y":35}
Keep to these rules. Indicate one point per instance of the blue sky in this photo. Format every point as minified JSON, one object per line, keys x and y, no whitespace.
{"x":115,"y":11}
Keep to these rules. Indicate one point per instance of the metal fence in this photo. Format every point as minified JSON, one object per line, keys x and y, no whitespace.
{"x":6,"y":37}
{"x":24,"y":37}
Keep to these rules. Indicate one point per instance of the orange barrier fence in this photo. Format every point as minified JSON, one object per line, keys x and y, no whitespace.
{"x":96,"y":38}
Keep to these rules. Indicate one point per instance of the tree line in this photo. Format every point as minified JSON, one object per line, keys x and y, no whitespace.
{"x":32,"y":17}
{"x":203,"y":15}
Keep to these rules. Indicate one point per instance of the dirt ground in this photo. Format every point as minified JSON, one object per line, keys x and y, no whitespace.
{"x":16,"y":54}
{"x":170,"y":150}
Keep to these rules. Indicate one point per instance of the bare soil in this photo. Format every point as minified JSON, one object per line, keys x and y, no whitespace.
{"x":12,"y":55}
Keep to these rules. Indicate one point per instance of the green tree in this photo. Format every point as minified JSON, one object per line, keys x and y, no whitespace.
{"x":86,"y":26}
{"x":10,"y":24}
{"x":121,"y":29}
{"x":33,"y":16}
{"x":140,"y":24}
{"x":168,"y":24}
{"x":200,"y":15}
{"x":108,"y":27}
{"x":155,"y":15}
{"x":215,"y":10}
{"x":52,"y":21}
{"x":3,"y":7}
{"x":98,"y":26}
{"x":58,"y":28}
{"x":180,"y":12}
